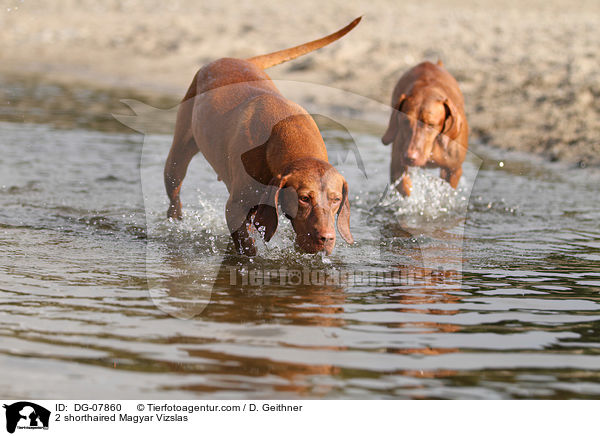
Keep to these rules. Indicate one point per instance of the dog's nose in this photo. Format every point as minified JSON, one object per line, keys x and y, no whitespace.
{"x":412,"y":156}
{"x":326,"y":236}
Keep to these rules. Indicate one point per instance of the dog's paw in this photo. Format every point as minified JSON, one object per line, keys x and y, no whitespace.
{"x":405,"y":186}
{"x":174,"y":212}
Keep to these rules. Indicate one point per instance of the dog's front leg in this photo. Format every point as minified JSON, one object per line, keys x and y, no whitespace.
{"x":452,"y":176}
{"x":238,"y":221}
{"x":175,"y":168}
{"x":399,"y":175}
{"x":182,"y":151}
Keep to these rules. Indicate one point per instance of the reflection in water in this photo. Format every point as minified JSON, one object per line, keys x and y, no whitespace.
{"x":259,"y":292}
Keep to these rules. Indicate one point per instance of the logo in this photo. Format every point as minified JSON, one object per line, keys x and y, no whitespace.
{"x":26,"y":415}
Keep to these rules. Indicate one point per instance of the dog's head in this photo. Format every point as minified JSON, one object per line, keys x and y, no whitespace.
{"x":311,"y":193}
{"x":417,"y":122}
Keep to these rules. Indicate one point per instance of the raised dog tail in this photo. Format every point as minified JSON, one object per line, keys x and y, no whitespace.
{"x":278,"y":57}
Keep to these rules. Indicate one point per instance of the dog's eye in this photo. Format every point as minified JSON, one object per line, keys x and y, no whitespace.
{"x":337,"y":200}
{"x":304,"y":198}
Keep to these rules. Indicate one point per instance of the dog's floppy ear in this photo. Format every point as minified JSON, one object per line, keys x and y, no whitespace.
{"x":266,"y":218}
{"x":392,"y":129}
{"x":343,"y":220}
{"x":452,"y":124}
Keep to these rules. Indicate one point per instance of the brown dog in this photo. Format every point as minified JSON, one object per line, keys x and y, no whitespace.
{"x":267,"y":149}
{"x":428,"y":125}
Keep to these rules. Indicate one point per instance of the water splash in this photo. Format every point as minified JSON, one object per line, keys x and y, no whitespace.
{"x":431,"y":199}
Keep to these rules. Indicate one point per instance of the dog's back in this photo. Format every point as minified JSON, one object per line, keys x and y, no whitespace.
{"x":429,"y":76}
{"x":247,"y":114}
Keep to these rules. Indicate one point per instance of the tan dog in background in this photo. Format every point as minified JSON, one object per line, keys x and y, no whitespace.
{"x":267,"y":149}
{"x":428,"y":126}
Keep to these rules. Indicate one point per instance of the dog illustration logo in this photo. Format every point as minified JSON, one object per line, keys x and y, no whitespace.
{"x":26,"y":415}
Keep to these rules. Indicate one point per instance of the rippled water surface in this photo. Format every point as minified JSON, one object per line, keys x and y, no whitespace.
{"x":488,"y":292}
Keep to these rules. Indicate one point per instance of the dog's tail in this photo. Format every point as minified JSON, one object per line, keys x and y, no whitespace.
{"x":272,"y":59}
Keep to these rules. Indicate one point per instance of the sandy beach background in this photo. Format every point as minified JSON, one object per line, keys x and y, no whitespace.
{"x":529,"y":70}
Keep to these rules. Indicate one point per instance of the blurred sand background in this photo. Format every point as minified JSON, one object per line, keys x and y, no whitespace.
{"x":530,"y":71}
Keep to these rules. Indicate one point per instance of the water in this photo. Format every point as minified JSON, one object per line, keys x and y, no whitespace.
{"x":489,"y":292}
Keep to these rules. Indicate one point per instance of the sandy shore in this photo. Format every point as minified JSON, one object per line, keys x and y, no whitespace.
{"x":530,"y":73}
